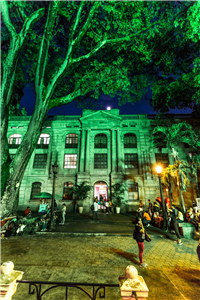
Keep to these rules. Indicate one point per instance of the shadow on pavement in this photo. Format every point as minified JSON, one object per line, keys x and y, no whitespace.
{"x":190,"y":275}
{"x":127,"y":255}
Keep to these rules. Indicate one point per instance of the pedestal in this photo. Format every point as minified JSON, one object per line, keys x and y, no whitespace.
{"x":8,"y":289}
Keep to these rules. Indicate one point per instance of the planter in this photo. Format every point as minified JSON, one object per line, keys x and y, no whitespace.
{"x":80,"y":209}
{"x":117,"y":210}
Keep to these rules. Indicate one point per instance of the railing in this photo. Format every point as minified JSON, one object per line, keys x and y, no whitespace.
{"x":37,"y":286}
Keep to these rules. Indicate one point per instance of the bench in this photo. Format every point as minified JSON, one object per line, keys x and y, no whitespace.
{"x":186,"y":229}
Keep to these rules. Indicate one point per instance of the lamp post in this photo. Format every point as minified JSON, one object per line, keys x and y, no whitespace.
{"x":159,"y":171}
{"x":55,"y":171}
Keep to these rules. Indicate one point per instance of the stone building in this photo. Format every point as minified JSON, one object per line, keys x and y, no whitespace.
{"x":100,"y":147}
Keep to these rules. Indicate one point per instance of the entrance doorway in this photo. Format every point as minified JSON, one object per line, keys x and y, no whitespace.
{"x":100,"y":188}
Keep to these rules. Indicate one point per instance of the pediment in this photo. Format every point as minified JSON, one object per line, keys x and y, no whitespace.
{"x":100,"y":116}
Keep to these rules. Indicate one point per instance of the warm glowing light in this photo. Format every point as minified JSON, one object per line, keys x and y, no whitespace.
{"x":159,"y":169}
{"x":108,"y":108}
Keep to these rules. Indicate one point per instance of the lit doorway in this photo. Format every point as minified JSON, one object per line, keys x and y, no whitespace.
{"x":100,"y":188}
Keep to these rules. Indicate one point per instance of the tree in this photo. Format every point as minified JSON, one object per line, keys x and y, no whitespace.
{"x":183,"y":90}
{"x":118,"y":191}
{"x":101,"y":42}
{"x":16,"y":45}
{"x":179,"y":172}
{"x":81,"y":191}
{"x":171,"y":136}
{"x":194,"y":164}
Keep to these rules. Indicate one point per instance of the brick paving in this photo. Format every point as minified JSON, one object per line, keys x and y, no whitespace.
{"x":173,"y":271}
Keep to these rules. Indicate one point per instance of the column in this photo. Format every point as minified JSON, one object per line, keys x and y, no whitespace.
{"x":87,"y":151}
{"x":82,"y":152}
{"x":114,"y":156}
{"x":119,"y":151}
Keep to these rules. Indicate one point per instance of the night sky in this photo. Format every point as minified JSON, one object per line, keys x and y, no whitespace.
{"x":28,"y":100}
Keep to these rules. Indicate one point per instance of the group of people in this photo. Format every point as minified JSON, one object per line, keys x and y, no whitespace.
{"x":104,"y":205}
{"x":154,"y":216}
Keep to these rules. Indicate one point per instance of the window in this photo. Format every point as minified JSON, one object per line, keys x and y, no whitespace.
{"x":36,"y":189}
{"x":130,"y":140}
{"x":100,"y":161}
{"x":43,"y":141}
{"x":100,"y":141}
{"x":67,"y":195}
{"x":40,"y":161}
{"x":133,"y":191}
{"x":14,"y":140}
{"x":70,"y":161}
{"x":71,"y":141}
{"x":162,"y":158}
{"x":131,"y":161}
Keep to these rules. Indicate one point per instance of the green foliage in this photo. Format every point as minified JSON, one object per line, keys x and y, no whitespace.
{"x":172,"y":135}
{"x":127,"y":65}
{"x":117,"y":192}
{"x":180,"y":172}
{"x":81,"y":191}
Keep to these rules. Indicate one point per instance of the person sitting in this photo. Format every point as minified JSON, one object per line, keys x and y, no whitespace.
{"x":180,"y":218}
{"x":150,"y":208}
{"x":191,"y":219}
{"x":27,"y":211}
{"x":44,"y":222}
{"x":146,"y":219}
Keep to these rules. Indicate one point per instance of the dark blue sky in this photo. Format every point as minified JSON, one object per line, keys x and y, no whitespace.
{"x":28,"y":100}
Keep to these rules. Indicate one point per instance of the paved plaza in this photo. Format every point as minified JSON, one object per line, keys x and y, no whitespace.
{"x":71,"y":255}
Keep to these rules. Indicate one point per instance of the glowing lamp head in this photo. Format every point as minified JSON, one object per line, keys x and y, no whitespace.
{"x":108,"y":108}
{"x":159,"y":169}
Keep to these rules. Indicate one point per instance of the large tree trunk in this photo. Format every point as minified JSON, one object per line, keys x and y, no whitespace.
{"x":20,"y":162}
{"x":5,"y":157}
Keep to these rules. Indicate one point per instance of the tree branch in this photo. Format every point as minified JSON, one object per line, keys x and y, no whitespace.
{"x":67,"y":99}
{"x":86,"y":25}
{"x":6,"y":19}
{"x":43,"y":52}
{"x":76,"y":21}
{"x":29,"y":22}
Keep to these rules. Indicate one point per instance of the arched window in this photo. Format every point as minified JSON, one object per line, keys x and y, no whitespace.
{"x":130,"y":140}
{"x":36,"y":189}
{"x":71,"y":141}
{"x":100,"y":141}
{"x":67,"y":195}
{"x":43,"y":141}
{"x":133,"y":191}
{"x":14,"y":140}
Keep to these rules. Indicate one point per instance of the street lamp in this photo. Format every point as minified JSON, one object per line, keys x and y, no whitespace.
{"x":55,"y":171}
{"x":159,"y":171}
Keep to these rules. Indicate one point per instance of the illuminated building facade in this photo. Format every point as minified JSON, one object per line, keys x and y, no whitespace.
{"x":100,"y":147}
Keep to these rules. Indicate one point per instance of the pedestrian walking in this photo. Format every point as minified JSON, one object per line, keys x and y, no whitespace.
{"x":174,"y":216}
{"x":110,"y":207}
{"x":63,"y":214}
{"x":95,"y":211}
{"x":198,"y":250}
{"x":141,"y":205}
{"x":107,"y":206}
{"x":139,"y":236}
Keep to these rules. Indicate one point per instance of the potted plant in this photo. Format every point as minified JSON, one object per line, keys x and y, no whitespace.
{"x":81,"y":192}
{"x":117,"y":192}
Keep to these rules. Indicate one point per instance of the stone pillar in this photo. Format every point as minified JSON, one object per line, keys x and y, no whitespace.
{"x":87,"y":152}
{"x":82,"y":152}
{"x":119,"y":150}
{"x":114,"y":156}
